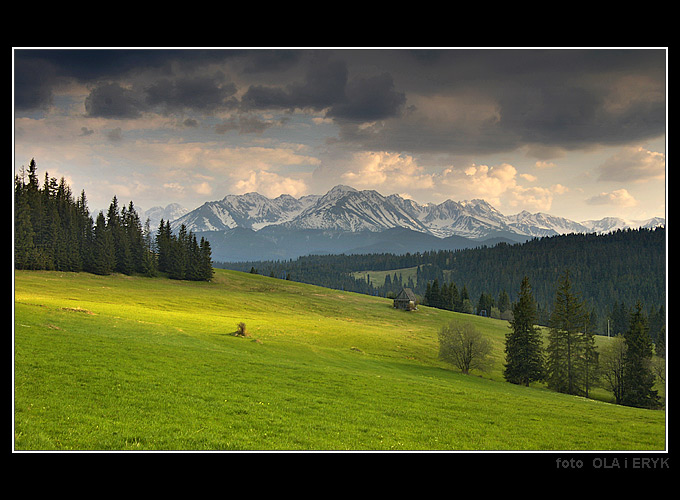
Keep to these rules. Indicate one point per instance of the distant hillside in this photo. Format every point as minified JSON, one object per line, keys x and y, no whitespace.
{"x":606,"y":269}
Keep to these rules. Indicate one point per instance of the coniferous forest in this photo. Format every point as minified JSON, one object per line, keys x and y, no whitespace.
{"x":55,"y":231}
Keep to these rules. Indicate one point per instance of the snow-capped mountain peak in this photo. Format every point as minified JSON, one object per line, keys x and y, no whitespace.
{"x":344,"y":208}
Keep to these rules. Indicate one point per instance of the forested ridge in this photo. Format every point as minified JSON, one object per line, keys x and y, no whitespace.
{"x":55,"y":231}
{"x":610,"y":272}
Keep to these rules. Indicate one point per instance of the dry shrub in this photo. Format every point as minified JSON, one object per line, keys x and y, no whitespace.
{"x":241,"y":329}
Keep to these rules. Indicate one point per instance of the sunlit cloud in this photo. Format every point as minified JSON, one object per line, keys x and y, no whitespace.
{"x":619,"y":197}
{"x":634,"y":164}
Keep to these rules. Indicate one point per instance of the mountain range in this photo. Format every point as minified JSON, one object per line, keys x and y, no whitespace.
{"x":346,"y":220}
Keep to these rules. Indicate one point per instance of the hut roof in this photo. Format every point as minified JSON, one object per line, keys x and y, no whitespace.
{"x":406,"y":294}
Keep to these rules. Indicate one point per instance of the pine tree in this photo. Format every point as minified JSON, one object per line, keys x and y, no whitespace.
{"x":24,"y":248}
{"x":193,"y":264}
{"x":163,"y":243}
{"x":178,"y":255}
{"x":119,"y":237}
{"x":638,"y":376}
{"x":148,"y":264}
{"x":504,"y":301}
{"x":206,"y":266}
{"x":589,"y":359}
{"x":104,"y":252}
{"x":523,"y":344}
{"x":455,"y":297}
{"x":132,"y":226}
{"x":565,"y":344}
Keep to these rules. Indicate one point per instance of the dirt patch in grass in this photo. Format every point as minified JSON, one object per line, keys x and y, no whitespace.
{"x":77,"y":309}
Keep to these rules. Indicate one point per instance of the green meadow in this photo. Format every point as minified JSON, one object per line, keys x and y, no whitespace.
{"x":134,"y":363}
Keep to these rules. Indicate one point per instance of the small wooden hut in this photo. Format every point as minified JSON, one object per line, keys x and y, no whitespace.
{"x":405,"y":300}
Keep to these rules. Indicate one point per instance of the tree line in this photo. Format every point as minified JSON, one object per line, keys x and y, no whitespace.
{"x":55,"y":231}
{"x":571,"y":362}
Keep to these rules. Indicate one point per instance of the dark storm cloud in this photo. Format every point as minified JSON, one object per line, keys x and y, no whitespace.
{"x":33,"y":82}
{"x":199,"y":93}
{"x":270,"y":61}
{"x":369,"y":99}
{"x":323,"y":85}
{"x":550,"y":98}
{"x":566,"y":99}
{"x":327,"y":85}
{"x":39,"y":72}
{"x":113,"y":101}
{"x":574,"y":98}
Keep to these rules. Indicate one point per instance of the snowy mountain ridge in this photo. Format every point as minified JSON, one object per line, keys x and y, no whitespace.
{"x":344,"y":208}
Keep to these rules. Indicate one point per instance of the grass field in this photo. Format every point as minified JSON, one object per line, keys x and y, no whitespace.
{"x":377,"y":278}
{"x":133,"y":363}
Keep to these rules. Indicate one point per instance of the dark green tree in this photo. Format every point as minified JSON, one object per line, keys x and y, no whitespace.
{"x":163,"y":243}
{"x":588,"y":362}
{"x":484,"y":304}
{"x":638,"y":375}
{"x":565,"y":341}
{"x":124,"y":263}
{"x":612,"y":366}
{"x":206,"y":266}
{"x":178,"y":254}
{"x":104,"y":252}
{"x":24,"y":247}
{"x":148,"y":265}
{"x":504,"y":301}
{"x":524,"y":361}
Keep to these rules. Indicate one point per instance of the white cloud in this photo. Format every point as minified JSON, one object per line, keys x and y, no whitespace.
{"x":479,"y":181}
{"x":386,"y":171}
{"x":559,"y":189}
{"x":545,"y":164}
{"x":203,"y":188}
{"x":269,"y":184}
{"x":633,"y":164}
{"x":620,"y":198}
{"x":532,"y":199}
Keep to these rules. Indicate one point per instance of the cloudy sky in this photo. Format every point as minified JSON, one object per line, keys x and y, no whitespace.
{"x":575,"y":133}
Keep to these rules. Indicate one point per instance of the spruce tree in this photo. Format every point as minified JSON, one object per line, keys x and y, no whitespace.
{"x":193,"y":270}
{"x":523,"y":344}
{"x":565,"y":345}
{"x":24,"y":247}
{"x":504,"y":301}
{"x":104,"y":252}
{"x":206,"y":265}
{"x":178,"y":254}
{"x":163,"y":242}
{"x":117,"y":234}
{"x":638,"y":376}
{"x":148,"y":264}
{"x":589,"y":359}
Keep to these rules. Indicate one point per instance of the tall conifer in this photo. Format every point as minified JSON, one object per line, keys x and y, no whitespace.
{"x":638,"y":376}
{"x":565,"y":346}
{"x":523,"y":344}
{"x":104,"y":252}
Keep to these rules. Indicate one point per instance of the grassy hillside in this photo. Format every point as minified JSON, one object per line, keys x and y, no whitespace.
{"x":132,"y":363}
{"x":377,"y":278}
